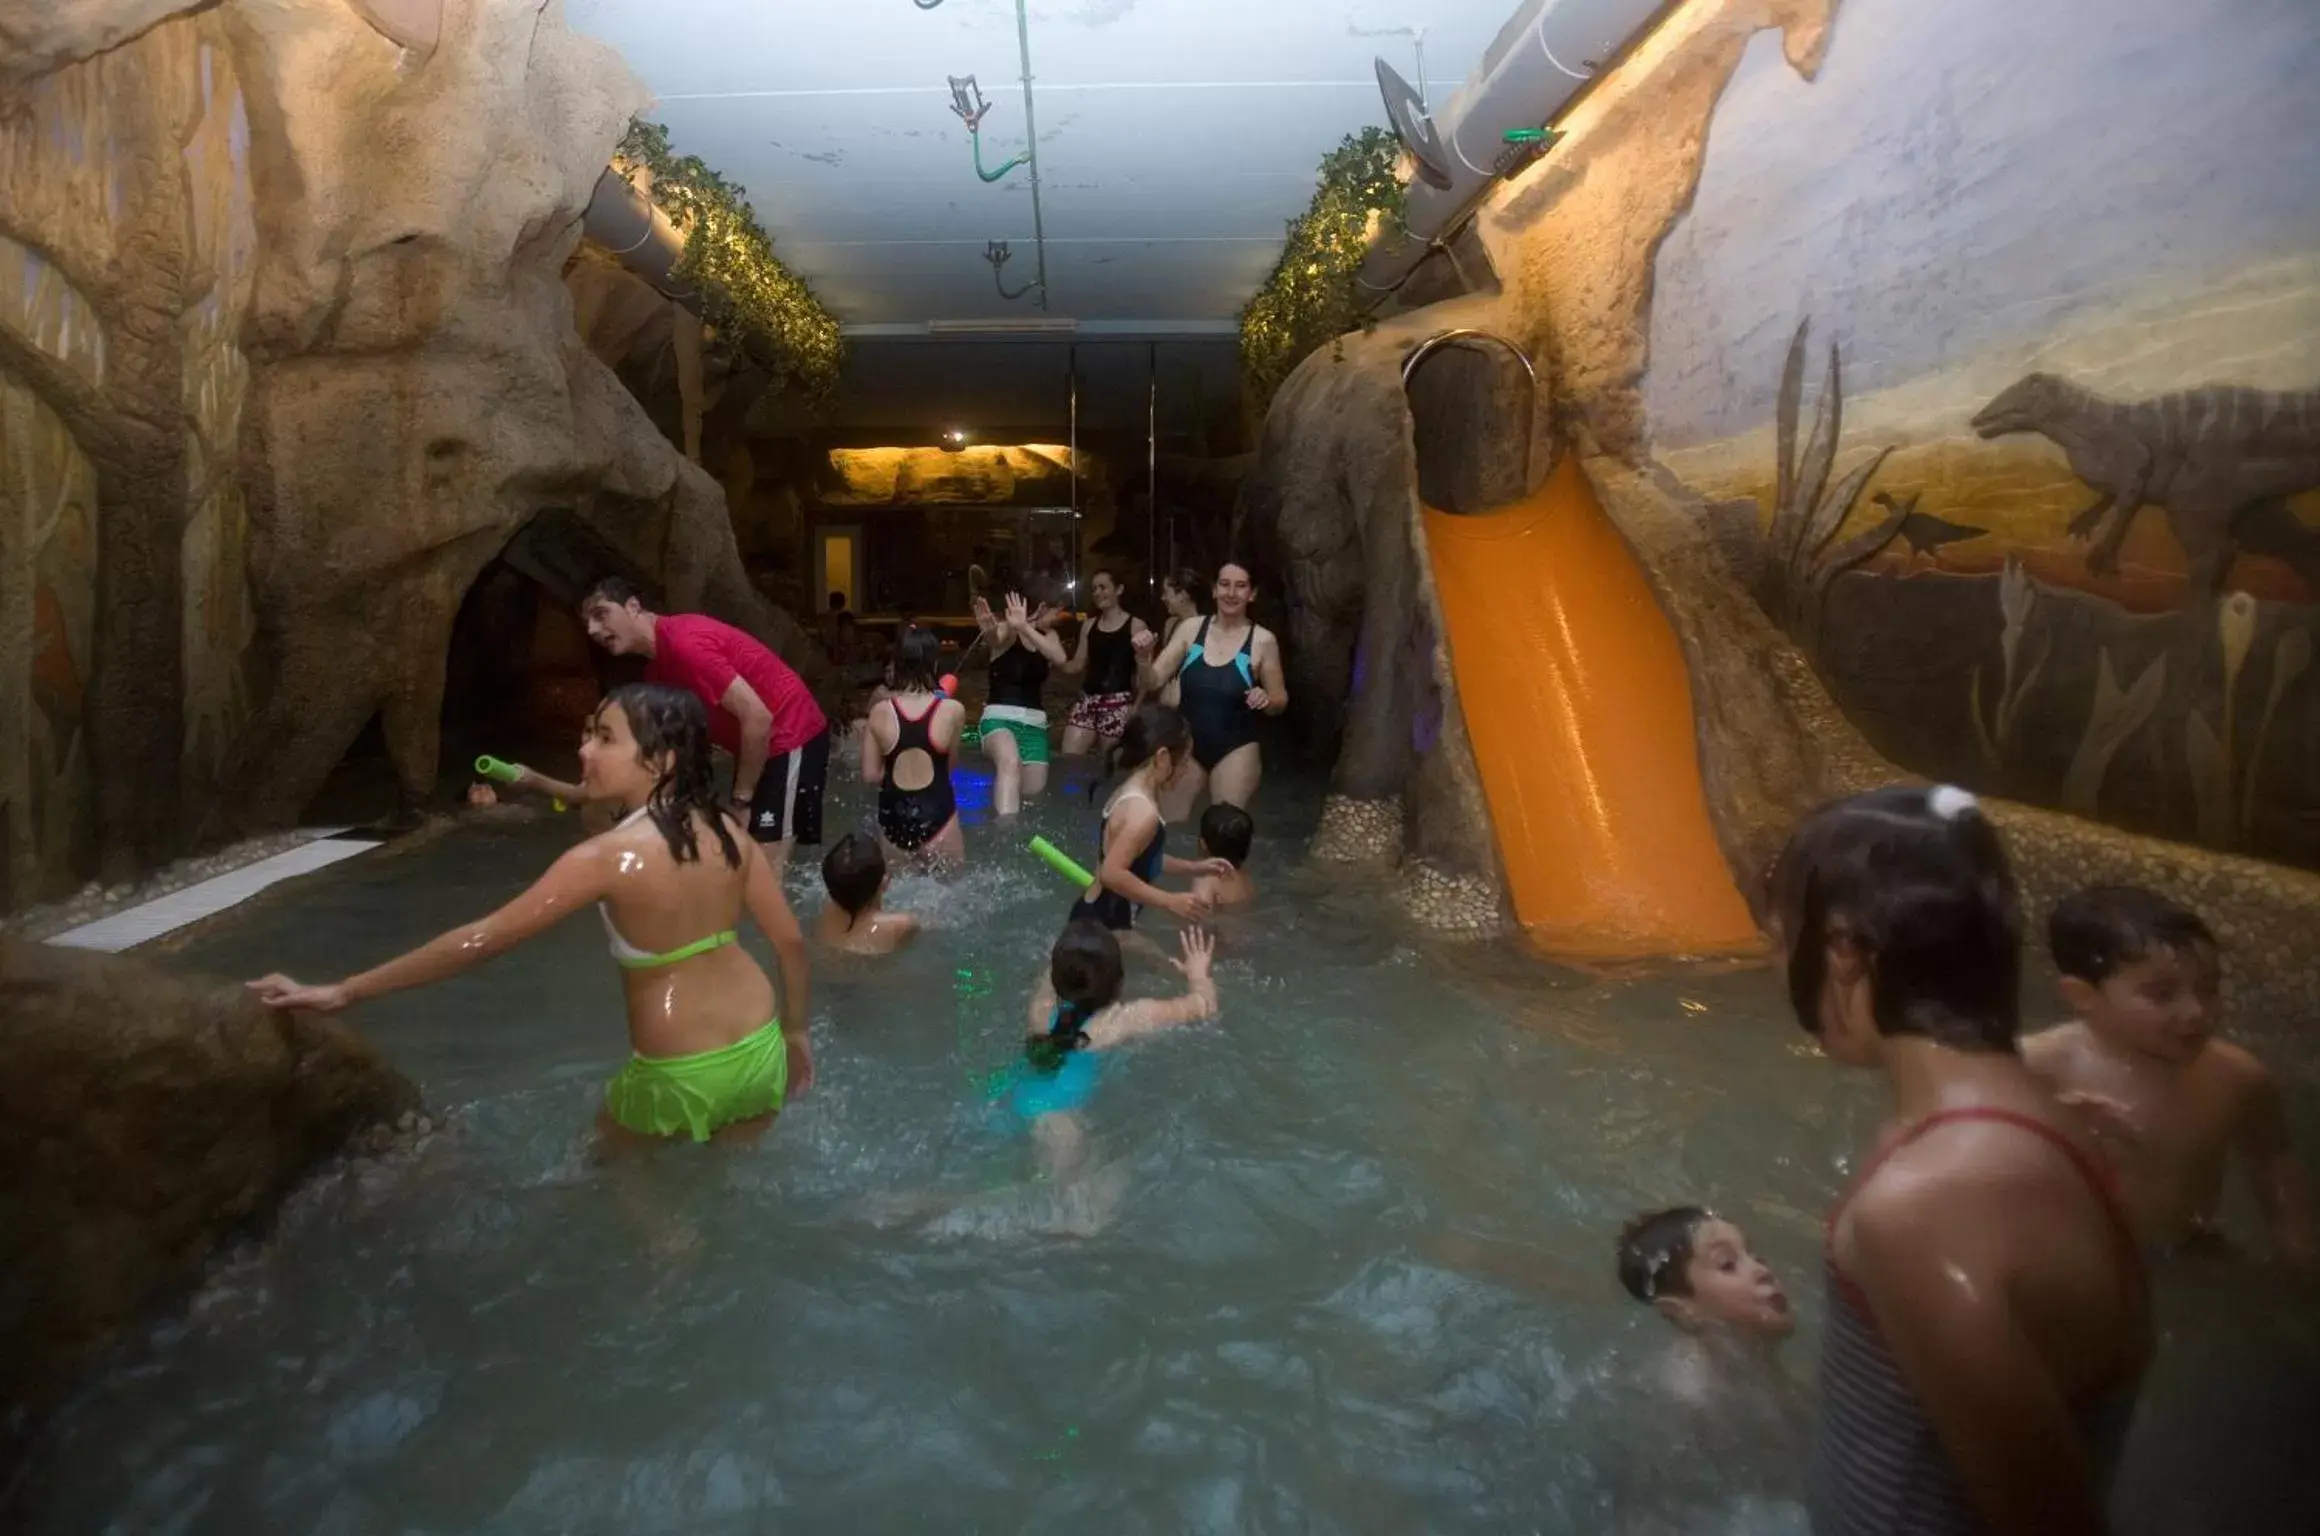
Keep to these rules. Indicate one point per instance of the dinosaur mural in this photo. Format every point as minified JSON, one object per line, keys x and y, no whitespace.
{"x":2220,"y":462}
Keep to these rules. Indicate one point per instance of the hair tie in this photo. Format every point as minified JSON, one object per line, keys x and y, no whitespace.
{"x":1948,"y":802}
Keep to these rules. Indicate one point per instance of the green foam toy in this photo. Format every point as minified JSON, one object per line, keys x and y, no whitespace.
{"x":504,"y":773}
{"x":1061,"y":863}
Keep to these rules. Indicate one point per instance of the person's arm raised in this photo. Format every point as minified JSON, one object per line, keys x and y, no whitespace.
{"x":573,"y":881}
{"x":1024,"y":625}
{"x":1196,"y":1006}
{"x":770,"y":910}
{"x":1938,"y":1292}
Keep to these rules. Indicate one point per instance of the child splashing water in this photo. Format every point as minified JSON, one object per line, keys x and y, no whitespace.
{"x":1989,"y":1321}
{"x":1155,"y":748}
{"x":707,"y":1060}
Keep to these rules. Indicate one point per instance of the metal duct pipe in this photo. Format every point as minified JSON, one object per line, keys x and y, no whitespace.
{"x":1553,"y":53}
{"x":632,"y":227}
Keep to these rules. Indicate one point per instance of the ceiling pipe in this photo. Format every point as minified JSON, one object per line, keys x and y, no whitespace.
{"x":1554,"y":50}
{"x":632,"y":227}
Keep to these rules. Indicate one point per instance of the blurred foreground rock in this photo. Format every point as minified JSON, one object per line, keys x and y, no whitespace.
{"x":144,"y":1118}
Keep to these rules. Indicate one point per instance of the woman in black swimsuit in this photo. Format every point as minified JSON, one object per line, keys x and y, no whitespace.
{"x":906,"y":751}
{"x":1229,"y":670}
{"x":1105,"y":662}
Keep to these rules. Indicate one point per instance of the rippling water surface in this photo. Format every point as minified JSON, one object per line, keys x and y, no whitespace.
{"x":1343,"y":1264}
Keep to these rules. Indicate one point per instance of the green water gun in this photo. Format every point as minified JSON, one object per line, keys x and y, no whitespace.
{"x":504,"y":773}
{"x":1061,"y":863}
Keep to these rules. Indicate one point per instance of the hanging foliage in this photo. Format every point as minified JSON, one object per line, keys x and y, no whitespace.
{"x":746,"y":292}
{"x":1309,"y":297}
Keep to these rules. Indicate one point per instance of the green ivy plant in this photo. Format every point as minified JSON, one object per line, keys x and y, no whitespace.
{"x":746,"y":293}
{"x":1309,"y":297}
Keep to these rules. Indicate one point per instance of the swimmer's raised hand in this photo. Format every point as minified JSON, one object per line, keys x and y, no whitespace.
{"x":1199,"y":952}
{"x":279,"y":991}
{"x":1144,"y":640}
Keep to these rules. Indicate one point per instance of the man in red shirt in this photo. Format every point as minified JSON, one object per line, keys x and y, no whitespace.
{"x":759,"y":710}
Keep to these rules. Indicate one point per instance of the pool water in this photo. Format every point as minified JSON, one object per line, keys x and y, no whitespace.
{"x":1343,"y":1262}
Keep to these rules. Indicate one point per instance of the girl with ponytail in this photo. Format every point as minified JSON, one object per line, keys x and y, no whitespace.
{"x":1077,"y":1012}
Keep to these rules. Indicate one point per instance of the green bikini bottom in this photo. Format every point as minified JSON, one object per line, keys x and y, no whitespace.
{"x":695,"y":1095}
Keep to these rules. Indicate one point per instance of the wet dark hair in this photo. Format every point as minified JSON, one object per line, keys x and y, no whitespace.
{"x":853,"y":871}
{"x":616,"y":590}
{"x":1185,"y":580}
{"x":917,"y":661}
{"x":1087,"y":972}
{"x":672,"y":720}
{"x":2096,"y":931}
{"x":1103,"y":570}
{"x":1919,"y":880}
{"x":1153,"y":728}
{"x":1655,"y":1251}
{"x":1238,"y":565}
{"x":1226,"y":832}
{"x":837,"y":602}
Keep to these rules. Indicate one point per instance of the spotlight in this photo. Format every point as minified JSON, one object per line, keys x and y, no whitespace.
{"x":956,"y":437}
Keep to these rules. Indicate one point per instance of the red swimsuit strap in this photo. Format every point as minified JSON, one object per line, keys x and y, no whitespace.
{"x":2099,"y":1178}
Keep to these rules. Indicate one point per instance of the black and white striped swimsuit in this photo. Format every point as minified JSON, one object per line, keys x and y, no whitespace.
{"x":1878,"y":1466}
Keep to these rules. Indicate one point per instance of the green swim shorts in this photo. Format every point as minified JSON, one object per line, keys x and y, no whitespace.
{"x":1027,"y":726}
{"x":668,"y":1095}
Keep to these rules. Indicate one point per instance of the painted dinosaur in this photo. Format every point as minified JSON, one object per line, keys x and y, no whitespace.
{"x":2220,"y":461}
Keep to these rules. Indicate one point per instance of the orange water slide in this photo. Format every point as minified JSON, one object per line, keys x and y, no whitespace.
{"x":1580,"y":710}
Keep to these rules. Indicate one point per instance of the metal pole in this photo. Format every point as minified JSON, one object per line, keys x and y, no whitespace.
{"x":1071,"y":366}
{"x":1152,"y":461}
{"x":1031,"y":132}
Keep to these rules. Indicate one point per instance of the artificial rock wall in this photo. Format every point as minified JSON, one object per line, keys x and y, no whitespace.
{"x":286,"y":357}
{"x":1850,"y":311}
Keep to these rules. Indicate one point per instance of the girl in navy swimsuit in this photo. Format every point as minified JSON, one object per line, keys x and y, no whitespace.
{"x":1228,"y":671}
{"x":1988,"y":1318}
{"x":1154,"y":747}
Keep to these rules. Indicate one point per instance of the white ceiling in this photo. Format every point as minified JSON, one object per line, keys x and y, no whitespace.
{"x":1175,"y":137}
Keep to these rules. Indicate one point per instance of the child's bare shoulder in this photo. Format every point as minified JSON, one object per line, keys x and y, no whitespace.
{"x":2233,"y":1067}
{"x":2058,"y":1050}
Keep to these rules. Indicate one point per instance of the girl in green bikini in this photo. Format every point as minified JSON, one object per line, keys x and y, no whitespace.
{"x":707,"y":1060}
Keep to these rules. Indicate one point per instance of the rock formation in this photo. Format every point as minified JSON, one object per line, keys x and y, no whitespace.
{"x":145,"y":1117}
{"x":286,"y":357}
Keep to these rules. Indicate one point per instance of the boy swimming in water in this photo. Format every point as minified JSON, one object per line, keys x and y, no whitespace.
{"x":1225,"y":834}
{"x":854,"y":919}
{"x":1696,"y":1270}
{"x":2144,"y":974}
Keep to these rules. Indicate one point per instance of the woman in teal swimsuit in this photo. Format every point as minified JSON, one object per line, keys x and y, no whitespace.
{"x":710,"y":1053}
